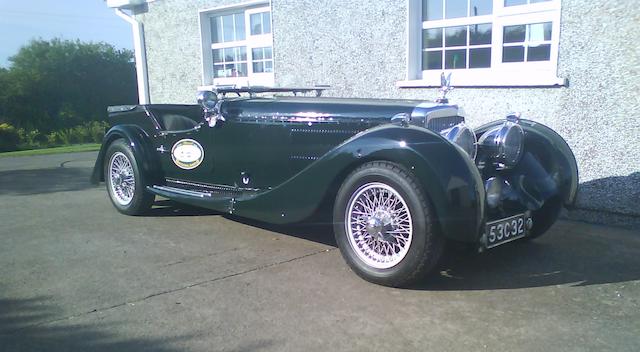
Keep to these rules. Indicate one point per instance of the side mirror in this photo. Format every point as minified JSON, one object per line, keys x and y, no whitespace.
{"x":211,"y":105}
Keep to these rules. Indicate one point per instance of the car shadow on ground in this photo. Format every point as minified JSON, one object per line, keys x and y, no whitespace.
{"x":570,"y":261}
{"x":560,"y":257}
{"x":24,"y":327}
{"x":41,"y":181}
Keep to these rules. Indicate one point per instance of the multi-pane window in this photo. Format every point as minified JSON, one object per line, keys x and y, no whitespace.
{"x":241,"y":47}
{"x":230,"y":62}
{"x":476,"y":35}
{"x":262,"y":59}
{"x":457,"y":47}
{"x":228,"y":28}
{"x":261,"y":23}
{"x":530,"y":42}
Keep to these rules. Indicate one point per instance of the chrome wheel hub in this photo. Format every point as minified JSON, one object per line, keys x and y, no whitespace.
{"x":121,"y":178}
{"x":378,"y":224}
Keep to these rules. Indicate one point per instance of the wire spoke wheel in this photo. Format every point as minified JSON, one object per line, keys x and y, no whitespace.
{"x":379,"y":225}
{"x":121,"y":178}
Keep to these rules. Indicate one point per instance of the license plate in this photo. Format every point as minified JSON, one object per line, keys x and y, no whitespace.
{"x":505,"y":230}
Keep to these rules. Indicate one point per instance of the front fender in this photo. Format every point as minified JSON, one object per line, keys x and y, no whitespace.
{"x":142,"y":147}
{"x":446,"y":175}
{"x":548,"y":162}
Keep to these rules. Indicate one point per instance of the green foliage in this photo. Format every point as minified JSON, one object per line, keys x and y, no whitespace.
{"x":20,"y":139}
{"x":53,"y":86}
{"x":9,"y":137}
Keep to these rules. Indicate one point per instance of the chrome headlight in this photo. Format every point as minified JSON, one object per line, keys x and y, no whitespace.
{"x":463,"y":136}
{"x":504,"y":144}
{"x":207,"y":100}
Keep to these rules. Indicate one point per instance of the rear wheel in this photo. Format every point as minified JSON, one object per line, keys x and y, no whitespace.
{"x":125,"y":181}
{"x":384,"y":225}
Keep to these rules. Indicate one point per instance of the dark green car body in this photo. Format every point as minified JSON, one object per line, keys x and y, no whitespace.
{"x":282,"y":159}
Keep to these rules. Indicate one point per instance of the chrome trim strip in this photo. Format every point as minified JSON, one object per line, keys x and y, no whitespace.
{"x":210,"y":186}
{"x":120,"y":108}
{"x":183,"y":191}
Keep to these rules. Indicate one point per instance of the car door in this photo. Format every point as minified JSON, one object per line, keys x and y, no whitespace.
{"x":251,"y":153}
{"x":184,"y":143}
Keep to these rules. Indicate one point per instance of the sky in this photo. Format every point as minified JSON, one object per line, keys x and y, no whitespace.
{"x":87,"y":20}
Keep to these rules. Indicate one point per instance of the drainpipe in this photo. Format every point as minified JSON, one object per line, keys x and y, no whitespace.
{"x":140,"y":56}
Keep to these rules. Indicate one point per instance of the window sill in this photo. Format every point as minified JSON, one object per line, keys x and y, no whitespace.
{"x":487,"y":78}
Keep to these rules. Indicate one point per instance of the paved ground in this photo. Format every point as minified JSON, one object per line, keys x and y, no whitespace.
{"x":77,"y":276}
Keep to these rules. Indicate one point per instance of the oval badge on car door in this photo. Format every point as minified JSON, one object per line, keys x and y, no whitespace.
{"x":187,"y":154}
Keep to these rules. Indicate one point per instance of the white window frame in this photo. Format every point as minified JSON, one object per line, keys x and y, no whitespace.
{"x":250,"y":42}
{"x":511,"y":74}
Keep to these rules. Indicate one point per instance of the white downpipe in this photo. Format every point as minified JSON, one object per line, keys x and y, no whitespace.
{"x":140,"y":56}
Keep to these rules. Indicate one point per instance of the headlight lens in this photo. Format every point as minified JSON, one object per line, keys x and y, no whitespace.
{"x":463,"y":136}
{"x":504,"y":144}
{"x":207,"y":99}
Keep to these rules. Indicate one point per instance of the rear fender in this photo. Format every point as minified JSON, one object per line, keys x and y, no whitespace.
{"x":141,"y":145}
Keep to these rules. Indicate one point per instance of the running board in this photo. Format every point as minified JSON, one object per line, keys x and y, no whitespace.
{"x":179,"y":191}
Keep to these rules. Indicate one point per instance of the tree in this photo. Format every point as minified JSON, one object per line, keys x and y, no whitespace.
{"x":60,"y":83}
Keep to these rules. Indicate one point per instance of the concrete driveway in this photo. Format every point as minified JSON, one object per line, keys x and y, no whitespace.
{"x":75,"y":275}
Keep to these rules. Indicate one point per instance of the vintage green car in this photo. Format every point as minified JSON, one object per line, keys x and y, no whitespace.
{"x":398,"y":178}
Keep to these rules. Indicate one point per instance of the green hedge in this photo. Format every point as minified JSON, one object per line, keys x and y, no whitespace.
{"x":12,"y":138}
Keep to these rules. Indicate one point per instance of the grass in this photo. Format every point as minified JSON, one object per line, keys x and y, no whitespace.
{"x":57,"y":150}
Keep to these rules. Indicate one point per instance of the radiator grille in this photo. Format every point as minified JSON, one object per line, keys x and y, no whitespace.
{"x":442,"y":123}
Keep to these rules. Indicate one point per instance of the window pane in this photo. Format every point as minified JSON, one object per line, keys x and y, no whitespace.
{"x":539,"y":53}
{"x":514,"y":2}
{"x":432,"y":60}
{"x":268,"y":66}
{"x":455,"y":8}
{"x":455,"y":36}
{"x":239,"y":28}
{"x":513,"y":54}
{"x":216,"y":29}
{"x":535,"y":1}
{"x":539,"y":32}
{"x":257,"y":54}
{"x":431,"y":10}
{"x":218,"y":71}
{"x":481,"y":7}
{"x":256,"y":24}
{"x":480,"y":58}
{"x":455,"y":59}
{"x":268,"y":54}
{"x":514,"y":34}
{"x":480,"y":34}
{"x":258,"y":67}
{"x":242,"y":70}
{"x":241,"y":53}
{"x":266,"y":22}
{"x":228,"y":55}
{"x":217,"y":56}
{"x":227,"y":24}
{"x":432,"y":38}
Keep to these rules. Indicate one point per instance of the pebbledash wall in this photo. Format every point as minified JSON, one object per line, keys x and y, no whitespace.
{"x":359,"y":48}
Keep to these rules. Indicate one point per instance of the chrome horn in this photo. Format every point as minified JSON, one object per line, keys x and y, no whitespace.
{"x":211,"y":106}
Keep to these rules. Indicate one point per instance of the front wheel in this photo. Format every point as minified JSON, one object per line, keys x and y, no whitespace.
{"x":125,"y":181}
{"x":384,"y":225}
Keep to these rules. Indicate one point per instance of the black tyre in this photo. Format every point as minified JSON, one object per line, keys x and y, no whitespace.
{"x":545,"y":217}
{"x":384,"y":225}
{"x":125,"y":180}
